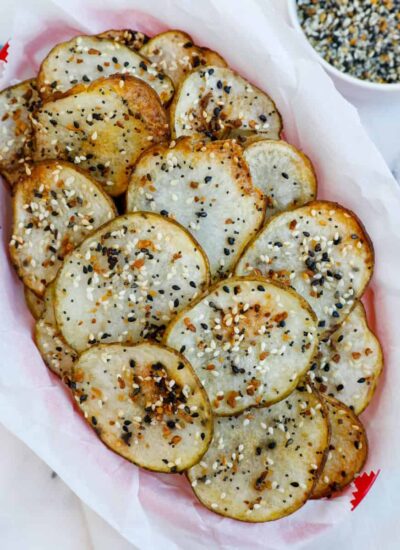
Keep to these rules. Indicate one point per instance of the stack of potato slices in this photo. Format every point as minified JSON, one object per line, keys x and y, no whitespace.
{"x":200,"y":302}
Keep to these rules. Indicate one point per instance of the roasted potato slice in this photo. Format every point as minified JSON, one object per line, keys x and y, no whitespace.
{"x":128,"y":37}
{"x":127,"y":280}
{"x":211,"y":58}
{"x":103,"y":128}
{"x":249,"y":342}
{"x":283,"y":173}
{"x":84,"y":59}
{"x":16,"y":105}
{"x":35,"y":303}
{"x":262,"y":465}
{"x":348,"y":450}
{"x":55,"y":208}
{"x":146,"y":404}
{"x":58,"y":356}
{"x":174,"y":54}
{"x":207,"y":188}
{"x":349,"y":362}
{"x":218,"y":103}
{"x":322,"y":251}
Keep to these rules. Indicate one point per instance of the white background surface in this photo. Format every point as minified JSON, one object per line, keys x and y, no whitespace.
{"x":38,"y":511}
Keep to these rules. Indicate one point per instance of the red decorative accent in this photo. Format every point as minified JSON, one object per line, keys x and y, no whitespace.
{"x":4,"y":52}
{"x":363,"y":484}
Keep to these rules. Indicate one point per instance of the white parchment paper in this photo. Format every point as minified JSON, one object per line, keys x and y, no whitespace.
{"x":150,"y":509}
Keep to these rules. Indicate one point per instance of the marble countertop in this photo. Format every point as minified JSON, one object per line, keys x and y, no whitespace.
{"x":38,"y":511}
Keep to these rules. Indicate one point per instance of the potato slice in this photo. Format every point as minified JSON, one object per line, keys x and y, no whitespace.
{"x":211,"y":58}
{"x":128,"y":37}
{"x":218,"y":103}
{"x":350,"y":362}
{"x":55,"y":208}
{"x":249,"y":342}
{"x":262,"y":465}
{"x":35,"y":303}
{"x":103,"y":128}
{"x":16,"y":105}
{"x":146,"y":404}
{"x":348,"y":450}
{"x":58,"y":356}
{"x":283,"y":173}
{"x":207,"y":188}
{"x":127,"y":280}
{"x":87,"y":58}
{"x":322,"y":251}
{"x":174,"y":53}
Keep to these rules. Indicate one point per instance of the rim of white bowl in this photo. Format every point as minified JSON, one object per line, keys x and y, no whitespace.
{"x":366,"y":84}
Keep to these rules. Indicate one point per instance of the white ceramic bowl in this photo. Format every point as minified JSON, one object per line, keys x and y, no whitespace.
{"x":351,"y":81}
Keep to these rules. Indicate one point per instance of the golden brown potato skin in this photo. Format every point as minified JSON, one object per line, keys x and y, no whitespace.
{"x":347,"y":452}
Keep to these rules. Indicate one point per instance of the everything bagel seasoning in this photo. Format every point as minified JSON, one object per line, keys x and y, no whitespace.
{"x":358,"y":37}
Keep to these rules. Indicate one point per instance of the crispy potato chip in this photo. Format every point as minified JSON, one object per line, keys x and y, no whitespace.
{"x":175,"y":54}
{"x":103,"y":128}
{"x":58,"y":356}
{"x":322,"y":251}
{"x":128,"y":37}
{"x":249,"y":342}
{"x":84,"y":59}
{"x":348,"y":450}
{"x":35,"y":303}
{"x":350,"y":362}
{"x":284,"y":174}
{"x":207,"y":188}
{"x":55,"y":208}
{"x":16,"y":105}
{"x":262,"y":465}
{"x":127,"y":280}
{"x":218,"y":103}
{"x":146,"y":404}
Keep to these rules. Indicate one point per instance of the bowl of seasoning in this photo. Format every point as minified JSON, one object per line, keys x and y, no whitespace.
{"x":357,"y":41}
